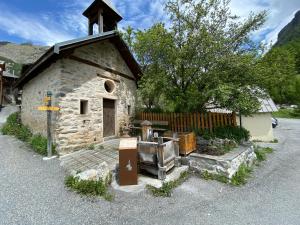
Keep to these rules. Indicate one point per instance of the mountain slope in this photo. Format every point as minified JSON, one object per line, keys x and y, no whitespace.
{"x":290,"y":32}
{"x":15,"y":55}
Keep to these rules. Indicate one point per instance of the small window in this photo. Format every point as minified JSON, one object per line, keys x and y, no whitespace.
{"x":109,"y":86}
{"x":129,"y":109}
{"x":83,"y":107}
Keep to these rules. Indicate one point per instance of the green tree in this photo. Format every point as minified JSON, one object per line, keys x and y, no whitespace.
{"x":204,"y":56}
{"x":279,"y":66}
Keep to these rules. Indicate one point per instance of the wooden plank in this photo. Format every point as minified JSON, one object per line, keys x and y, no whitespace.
{"x":210,"y":122}
{"x":198,"y":120}
{"x":191,"y":122}
{"x":195,"y":120}
{"x":233,"y":116}
{"x":184,"y":122}
{"x":222,"y":120}
{"x":90,"y":63}
{"x":202,"y":121}
{"x":206,"y":121}
{"x":107,"y":77}
{"x":215,"y":120}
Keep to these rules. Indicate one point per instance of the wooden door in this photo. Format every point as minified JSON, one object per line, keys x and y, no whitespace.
{"x":109,"y":118}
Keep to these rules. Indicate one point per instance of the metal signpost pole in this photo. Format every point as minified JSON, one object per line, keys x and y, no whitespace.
{"x":2,"y":68}
{"x":49,"y":115}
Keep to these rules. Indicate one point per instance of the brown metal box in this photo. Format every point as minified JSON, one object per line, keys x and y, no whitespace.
{"x":128,"y":156}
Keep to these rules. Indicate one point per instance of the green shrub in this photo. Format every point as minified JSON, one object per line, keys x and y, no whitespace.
{"x":89,"y":188}
{"x":241,"y":176}
{"x":23,"y":133}
{"x":288,"y":113}
{"x":234,"y":133}
{"x":167,"y":187}
{"x":14,"y":127}
{"x":39,"y":144}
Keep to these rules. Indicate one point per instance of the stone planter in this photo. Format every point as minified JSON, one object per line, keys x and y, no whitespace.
{"x":226,"y":165}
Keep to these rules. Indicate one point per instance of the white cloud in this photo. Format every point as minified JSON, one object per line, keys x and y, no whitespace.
{"x":280,"y":13}
{"x":51,"y":27}
{"x":39,"y":29}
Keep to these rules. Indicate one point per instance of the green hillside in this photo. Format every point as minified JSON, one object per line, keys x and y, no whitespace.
{"x":282,"y":65}
{"x":290,"y":32}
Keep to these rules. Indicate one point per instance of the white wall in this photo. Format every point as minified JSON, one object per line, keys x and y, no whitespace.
{"x":259,"y":125}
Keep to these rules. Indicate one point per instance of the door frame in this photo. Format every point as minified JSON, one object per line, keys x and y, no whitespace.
{"x":116,"y":113}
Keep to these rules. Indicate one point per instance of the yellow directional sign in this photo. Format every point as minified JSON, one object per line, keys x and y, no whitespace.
{"x":48,"y":108}
{"x":47,"y":99}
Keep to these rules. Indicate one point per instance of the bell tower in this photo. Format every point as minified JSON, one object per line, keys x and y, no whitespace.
{"x":103,"y":13}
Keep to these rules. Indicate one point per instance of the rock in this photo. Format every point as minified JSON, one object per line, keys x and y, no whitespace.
{"x":88,"y":175}
{"x":101,"y":173}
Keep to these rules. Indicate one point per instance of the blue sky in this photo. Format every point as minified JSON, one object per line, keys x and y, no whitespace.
{"x":46,"y":22}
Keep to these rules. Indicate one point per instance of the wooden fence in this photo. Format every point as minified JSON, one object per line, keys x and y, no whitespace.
{"x":185,"y":122}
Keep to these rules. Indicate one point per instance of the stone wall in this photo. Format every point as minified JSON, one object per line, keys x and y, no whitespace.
{"x":33,"y":94}
{"x":81,"y":82}
{"x":72,"y":81}
{"x":226,"y":165}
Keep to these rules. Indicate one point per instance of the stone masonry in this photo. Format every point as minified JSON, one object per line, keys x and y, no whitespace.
{"x":72,"y":81}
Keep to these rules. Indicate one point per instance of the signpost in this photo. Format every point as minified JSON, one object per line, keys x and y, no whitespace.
{"x":2,"y":68}
{"x":49,"y":108}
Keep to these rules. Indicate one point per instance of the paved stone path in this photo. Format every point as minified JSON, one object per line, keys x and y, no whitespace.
{"x":90,"y":159}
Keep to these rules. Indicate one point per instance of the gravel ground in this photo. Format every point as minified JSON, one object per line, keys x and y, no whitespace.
{"x":32,"y":192}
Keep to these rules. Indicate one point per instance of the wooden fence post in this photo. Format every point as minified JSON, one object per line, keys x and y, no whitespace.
{"x":210,"y":122}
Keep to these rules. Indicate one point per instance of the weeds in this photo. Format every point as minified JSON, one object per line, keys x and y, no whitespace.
{"x":261,"y":153}
{"x":168,"y":187}
{"x":210,"y":176}
{"x":92,"y":147}
{"x":89,"y":188}
{"x":14,"y":127}
{"x":241,"y":176}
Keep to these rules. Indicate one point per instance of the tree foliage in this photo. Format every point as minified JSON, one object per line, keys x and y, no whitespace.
{"x":203,"y":58}
{"x":281,"y":66}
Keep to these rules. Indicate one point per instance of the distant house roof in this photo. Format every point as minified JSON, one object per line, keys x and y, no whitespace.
{"x":267,"y":106}
{"x":9,"y":75}
{"x":64,"y":49}
{"x":2,"y":65}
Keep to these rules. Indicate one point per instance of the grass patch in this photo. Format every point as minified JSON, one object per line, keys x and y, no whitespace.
{"x":287,"y":113}
{"x":89,"y":188}
{"x":261,"y":153}
{"x":92,"y":147}
{"x":274,"y":141}
{"x":14,"y":127}
{"x":167,"y":188}
{"x":241,"y":176}
{"x":210,"y":176}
